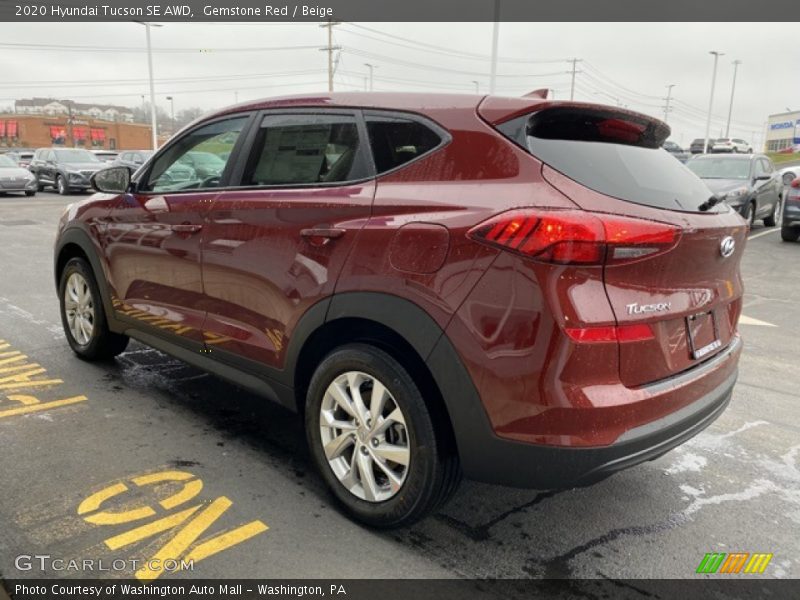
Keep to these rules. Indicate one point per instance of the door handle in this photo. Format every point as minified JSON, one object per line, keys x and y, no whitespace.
{"x":322,"y":232}
{"x":186,"y":228}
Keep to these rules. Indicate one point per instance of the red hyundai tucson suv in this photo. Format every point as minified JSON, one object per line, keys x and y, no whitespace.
{"x":516,"y":290}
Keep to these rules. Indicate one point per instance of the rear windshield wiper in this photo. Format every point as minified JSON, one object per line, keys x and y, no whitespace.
{"x":710,"y":203}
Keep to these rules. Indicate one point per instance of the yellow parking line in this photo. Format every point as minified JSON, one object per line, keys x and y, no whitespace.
{"x":30,"y":408}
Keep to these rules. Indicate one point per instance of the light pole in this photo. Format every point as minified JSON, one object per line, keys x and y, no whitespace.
{"x":371,"y":68}
{"x":153,"y":124}
{"x":495,"y":37}
{"x":477,"y":86}
{"x":736,"y":64}
{"x":711,"y":97}
{"x":669,"y":97}
{"x":172,"y":112}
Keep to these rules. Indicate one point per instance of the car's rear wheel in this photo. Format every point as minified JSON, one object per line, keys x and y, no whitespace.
{"x":775,"y":217}
{"x":373,"y":439}
{"x":30,"y":193}
{"x":790,"y":234}
{"x":83,"y":316}
{"x":62,"y":186}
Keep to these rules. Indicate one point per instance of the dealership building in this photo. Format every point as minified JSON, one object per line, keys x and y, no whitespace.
{"x":783,"y":131}
{"x":38,"y":131}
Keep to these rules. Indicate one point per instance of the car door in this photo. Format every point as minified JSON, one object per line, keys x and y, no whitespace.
{"x":153,"y":235}
{"x":47,"y":168}
{"x":275,"y":246}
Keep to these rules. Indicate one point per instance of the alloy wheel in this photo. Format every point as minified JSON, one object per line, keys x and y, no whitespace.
{"x":777,"y":212}
{"x":364,"y":436}
{"x":79,"y":308}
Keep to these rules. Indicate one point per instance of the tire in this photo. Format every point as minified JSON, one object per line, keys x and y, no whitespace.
{"x":431,"y":473}
{"x":750,"y":214}
{"x":62,"y":186}
{"x":30,"y":194}
{"x":39,"y":185}
{"x":790,"y":234}
{"x":775,"y":217}
{"x":99,"y":343}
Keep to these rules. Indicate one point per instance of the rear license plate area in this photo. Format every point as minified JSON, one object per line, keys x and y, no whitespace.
{"x":703,"y":334}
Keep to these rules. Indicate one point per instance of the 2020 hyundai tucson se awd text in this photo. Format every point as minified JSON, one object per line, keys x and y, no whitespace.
{"x":515,"y":290}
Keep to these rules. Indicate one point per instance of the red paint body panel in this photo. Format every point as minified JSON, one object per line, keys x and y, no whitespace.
{"x":248,"y":279}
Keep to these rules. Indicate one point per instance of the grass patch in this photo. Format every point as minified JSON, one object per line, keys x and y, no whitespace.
{"x":780,"y":157}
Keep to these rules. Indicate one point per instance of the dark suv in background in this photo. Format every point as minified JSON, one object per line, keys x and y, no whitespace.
{"x":528,"y":292}
{"x":66,"y":169}
{"x":698,"y":145}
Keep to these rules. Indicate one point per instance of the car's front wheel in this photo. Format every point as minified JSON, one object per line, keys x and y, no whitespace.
{"x":83,"y":315}
{"x":790,"y":234}
{"x":775,"y":217}
{"x":62,"y":186}
{"x":374,"y":440}
{"x":750,"y":214}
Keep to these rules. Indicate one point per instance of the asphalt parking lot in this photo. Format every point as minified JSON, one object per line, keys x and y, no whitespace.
{"x":146,"y":456}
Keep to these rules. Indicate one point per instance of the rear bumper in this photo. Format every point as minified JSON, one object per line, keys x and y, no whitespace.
{"x":492,"y":459}
{"x":791,"y":215}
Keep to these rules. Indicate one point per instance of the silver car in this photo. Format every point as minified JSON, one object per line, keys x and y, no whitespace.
{"x":14,"y":178}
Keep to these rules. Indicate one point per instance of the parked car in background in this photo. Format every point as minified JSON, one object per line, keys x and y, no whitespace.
{"x":733,"y":145}
{"x":676,"y":151}
{"x":789,"y":174}
{"x":749,"y":184}
{"x":539,"y":309}
{"x":22,"y":157}
{"x":697,"y":145}
{"x":132,"y":158}
{"x":790,"y":226}
{"x":107,"y":156}
{"x":66,"y":169}
{"x":14,"y":178}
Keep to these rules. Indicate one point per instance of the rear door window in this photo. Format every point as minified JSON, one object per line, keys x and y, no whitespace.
{"x":305,"y":149}
{"x":396,"y":141}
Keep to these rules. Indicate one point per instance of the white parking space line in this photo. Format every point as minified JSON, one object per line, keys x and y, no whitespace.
{"x":745,"y":320}
{"x":774,"y":230}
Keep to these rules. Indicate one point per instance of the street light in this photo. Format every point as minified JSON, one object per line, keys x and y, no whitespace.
{"x":172,"y":111}
{"x":711,"y":97}
{"x":736,"y":64}
{"x":371,"y":69}
{"x":477,"y":86}
{"x":669,"y":97}
{"x":153,"y":123}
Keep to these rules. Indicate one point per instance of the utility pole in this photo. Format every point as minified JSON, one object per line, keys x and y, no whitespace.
{"x":477,"y":86}
{"x":711,"y":97}
{"x":574,"y":62}
{"x":330,"y":25}
{"x":153,"y":124}
{"x":736,"y":64}
{"x":371,"y":69}
{"x":669,"y":97}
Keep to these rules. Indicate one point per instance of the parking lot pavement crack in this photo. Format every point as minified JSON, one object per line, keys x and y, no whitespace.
{"x":479,"y":533}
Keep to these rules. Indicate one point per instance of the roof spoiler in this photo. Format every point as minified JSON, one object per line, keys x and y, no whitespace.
{"x":540,"y":93}
{"x":573,"y":121}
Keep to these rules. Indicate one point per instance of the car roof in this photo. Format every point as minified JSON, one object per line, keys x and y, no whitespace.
{"x":728,"y":156}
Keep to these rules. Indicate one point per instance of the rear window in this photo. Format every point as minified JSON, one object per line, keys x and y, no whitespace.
{"x":617,"y":155}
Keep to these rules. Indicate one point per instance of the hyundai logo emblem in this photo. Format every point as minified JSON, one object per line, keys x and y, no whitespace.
{"x":727,"y":246}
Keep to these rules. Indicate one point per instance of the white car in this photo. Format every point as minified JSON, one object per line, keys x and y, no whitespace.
{"x":788,"y":174}
{"x":731,"y":145}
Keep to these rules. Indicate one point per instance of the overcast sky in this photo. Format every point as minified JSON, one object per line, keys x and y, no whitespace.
{"x":626,"y":63}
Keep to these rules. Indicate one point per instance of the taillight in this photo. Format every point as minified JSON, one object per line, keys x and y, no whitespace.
{"x":637,"y":332}
{"x":795,"y":182}
{"x":576,"y":236}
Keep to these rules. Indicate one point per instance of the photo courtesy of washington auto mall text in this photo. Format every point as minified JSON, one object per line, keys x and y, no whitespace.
{"x":430,"y":300}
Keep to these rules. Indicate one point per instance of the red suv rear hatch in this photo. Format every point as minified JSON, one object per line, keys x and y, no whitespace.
{"x":687,"y":295}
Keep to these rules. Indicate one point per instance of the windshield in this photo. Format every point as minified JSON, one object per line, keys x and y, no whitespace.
{"x":720,"y":168}
{"x":7,"y":162}
{"x":75,"y":156}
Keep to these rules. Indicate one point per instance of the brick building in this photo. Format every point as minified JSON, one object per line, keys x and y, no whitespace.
{"x":38,"y":131}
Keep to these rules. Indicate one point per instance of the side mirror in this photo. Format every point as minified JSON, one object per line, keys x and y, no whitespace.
{"x":116,"y":180}
{"x":762,"y":177}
